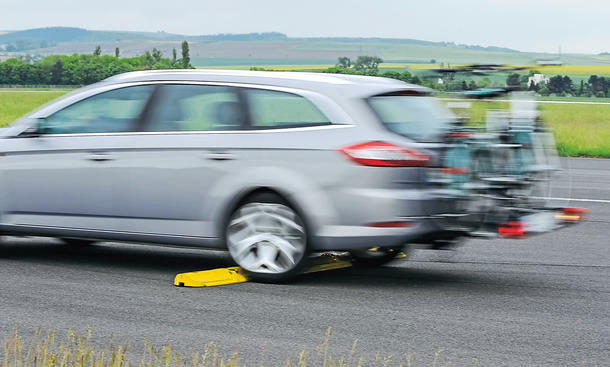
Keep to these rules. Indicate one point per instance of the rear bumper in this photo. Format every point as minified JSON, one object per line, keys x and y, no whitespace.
{"x":521,"y":224}
{"x":357,"y":210}
{"x":343,"y":237}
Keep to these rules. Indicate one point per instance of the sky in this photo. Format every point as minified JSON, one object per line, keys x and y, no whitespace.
{"x":574,"y":26}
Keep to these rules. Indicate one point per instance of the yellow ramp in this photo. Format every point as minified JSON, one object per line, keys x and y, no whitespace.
{"x":326,"y":262}
{"x":210,"y":278}
{"x":232,"y":275}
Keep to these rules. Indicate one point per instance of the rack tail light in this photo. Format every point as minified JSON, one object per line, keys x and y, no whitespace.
{"x":454,"y":171}
{"x":511,"y":230}
{"x":572,"y":214}
{"x":457,"y":134}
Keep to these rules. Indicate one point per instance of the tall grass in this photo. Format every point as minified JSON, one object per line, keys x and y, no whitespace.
{"x":580,"y":130}
{"x":479,"y":109}
{"x":74,"y":350}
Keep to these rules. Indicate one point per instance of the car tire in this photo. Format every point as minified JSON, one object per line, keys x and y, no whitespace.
{"x":268,"y":238}
{"x":77,"y":242}
{"x":374,"y":257}
{"x":3,"y":249}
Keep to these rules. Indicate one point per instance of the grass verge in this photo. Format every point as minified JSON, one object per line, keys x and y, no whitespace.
{"x":74,"y":350}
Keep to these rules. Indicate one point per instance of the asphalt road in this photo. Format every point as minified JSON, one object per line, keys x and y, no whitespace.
{"x":539,"y":301}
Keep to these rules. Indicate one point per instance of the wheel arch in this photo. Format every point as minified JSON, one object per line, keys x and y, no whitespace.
{"x":301,"y":193}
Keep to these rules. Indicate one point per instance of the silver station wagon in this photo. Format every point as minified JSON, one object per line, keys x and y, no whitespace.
{"x":271,"y":166}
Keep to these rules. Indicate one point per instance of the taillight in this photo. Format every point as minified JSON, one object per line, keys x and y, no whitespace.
{"x":394,"y":224}
{"x":572,"y":214}
{"x":379,"y":153}
{"x":457,"y":134}
{"x":454,"y":171}
{"x":511,"y":230}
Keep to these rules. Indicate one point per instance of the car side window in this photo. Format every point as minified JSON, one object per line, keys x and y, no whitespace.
{"x":275,"y":109}
{"x":195,"y":108}
{"x":114,"y":111}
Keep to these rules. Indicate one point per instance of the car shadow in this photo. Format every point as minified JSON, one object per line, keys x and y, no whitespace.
{"x":113,"y":255}
{"x":414,"y":276}
{"x":171,"y":261}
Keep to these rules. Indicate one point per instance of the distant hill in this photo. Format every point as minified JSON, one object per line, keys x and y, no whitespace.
{"x":405,"y":41}
{"x":269,"y":48}
{"x":51,"y":35}
{"x":44,"y":37}
{"x":56,"y":35}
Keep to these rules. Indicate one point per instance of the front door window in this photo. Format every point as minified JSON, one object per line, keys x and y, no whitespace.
{"x":114,"y":111}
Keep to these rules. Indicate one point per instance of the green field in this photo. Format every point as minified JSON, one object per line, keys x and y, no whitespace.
{"x":580,"y":129}
{"x":205,"y":62}
{"x":575,"y":99}
{"x":326,"y":51}
{"x":575,"y":72}
{"x":15,"y":104}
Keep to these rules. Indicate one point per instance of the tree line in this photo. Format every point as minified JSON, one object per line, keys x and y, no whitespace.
{"x":363,"y":65}
{"x":369,"y":65}
{"x":562,"y":85}
{"x":85,"y":69}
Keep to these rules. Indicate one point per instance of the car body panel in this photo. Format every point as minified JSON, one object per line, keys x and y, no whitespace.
{"x":179,"y":187}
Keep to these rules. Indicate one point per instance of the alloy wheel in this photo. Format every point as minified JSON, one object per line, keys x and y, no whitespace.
{"x":266,"y":238}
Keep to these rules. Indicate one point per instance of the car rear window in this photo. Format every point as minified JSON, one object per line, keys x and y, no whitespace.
{"x":275,"y":109}
{"x":420,"y":118}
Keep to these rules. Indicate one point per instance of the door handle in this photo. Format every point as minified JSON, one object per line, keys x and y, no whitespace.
{"x":220,"y":156}
{"x":100,"y":157}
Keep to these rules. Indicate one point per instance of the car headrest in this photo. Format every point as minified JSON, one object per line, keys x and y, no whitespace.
{"x":228,"y":114}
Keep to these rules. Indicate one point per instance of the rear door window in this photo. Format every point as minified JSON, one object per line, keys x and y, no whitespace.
{"x":417,"y":117}
{"x":276,"y":109}
{"x":183,"y":107}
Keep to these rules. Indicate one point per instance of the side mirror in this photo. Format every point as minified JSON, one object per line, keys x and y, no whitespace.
{"x":36,"y":129}
{"x":42,"y":127}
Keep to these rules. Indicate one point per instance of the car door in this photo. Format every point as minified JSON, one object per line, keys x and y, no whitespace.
{"x":177,"y":157}
{"x":62,"y":176}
